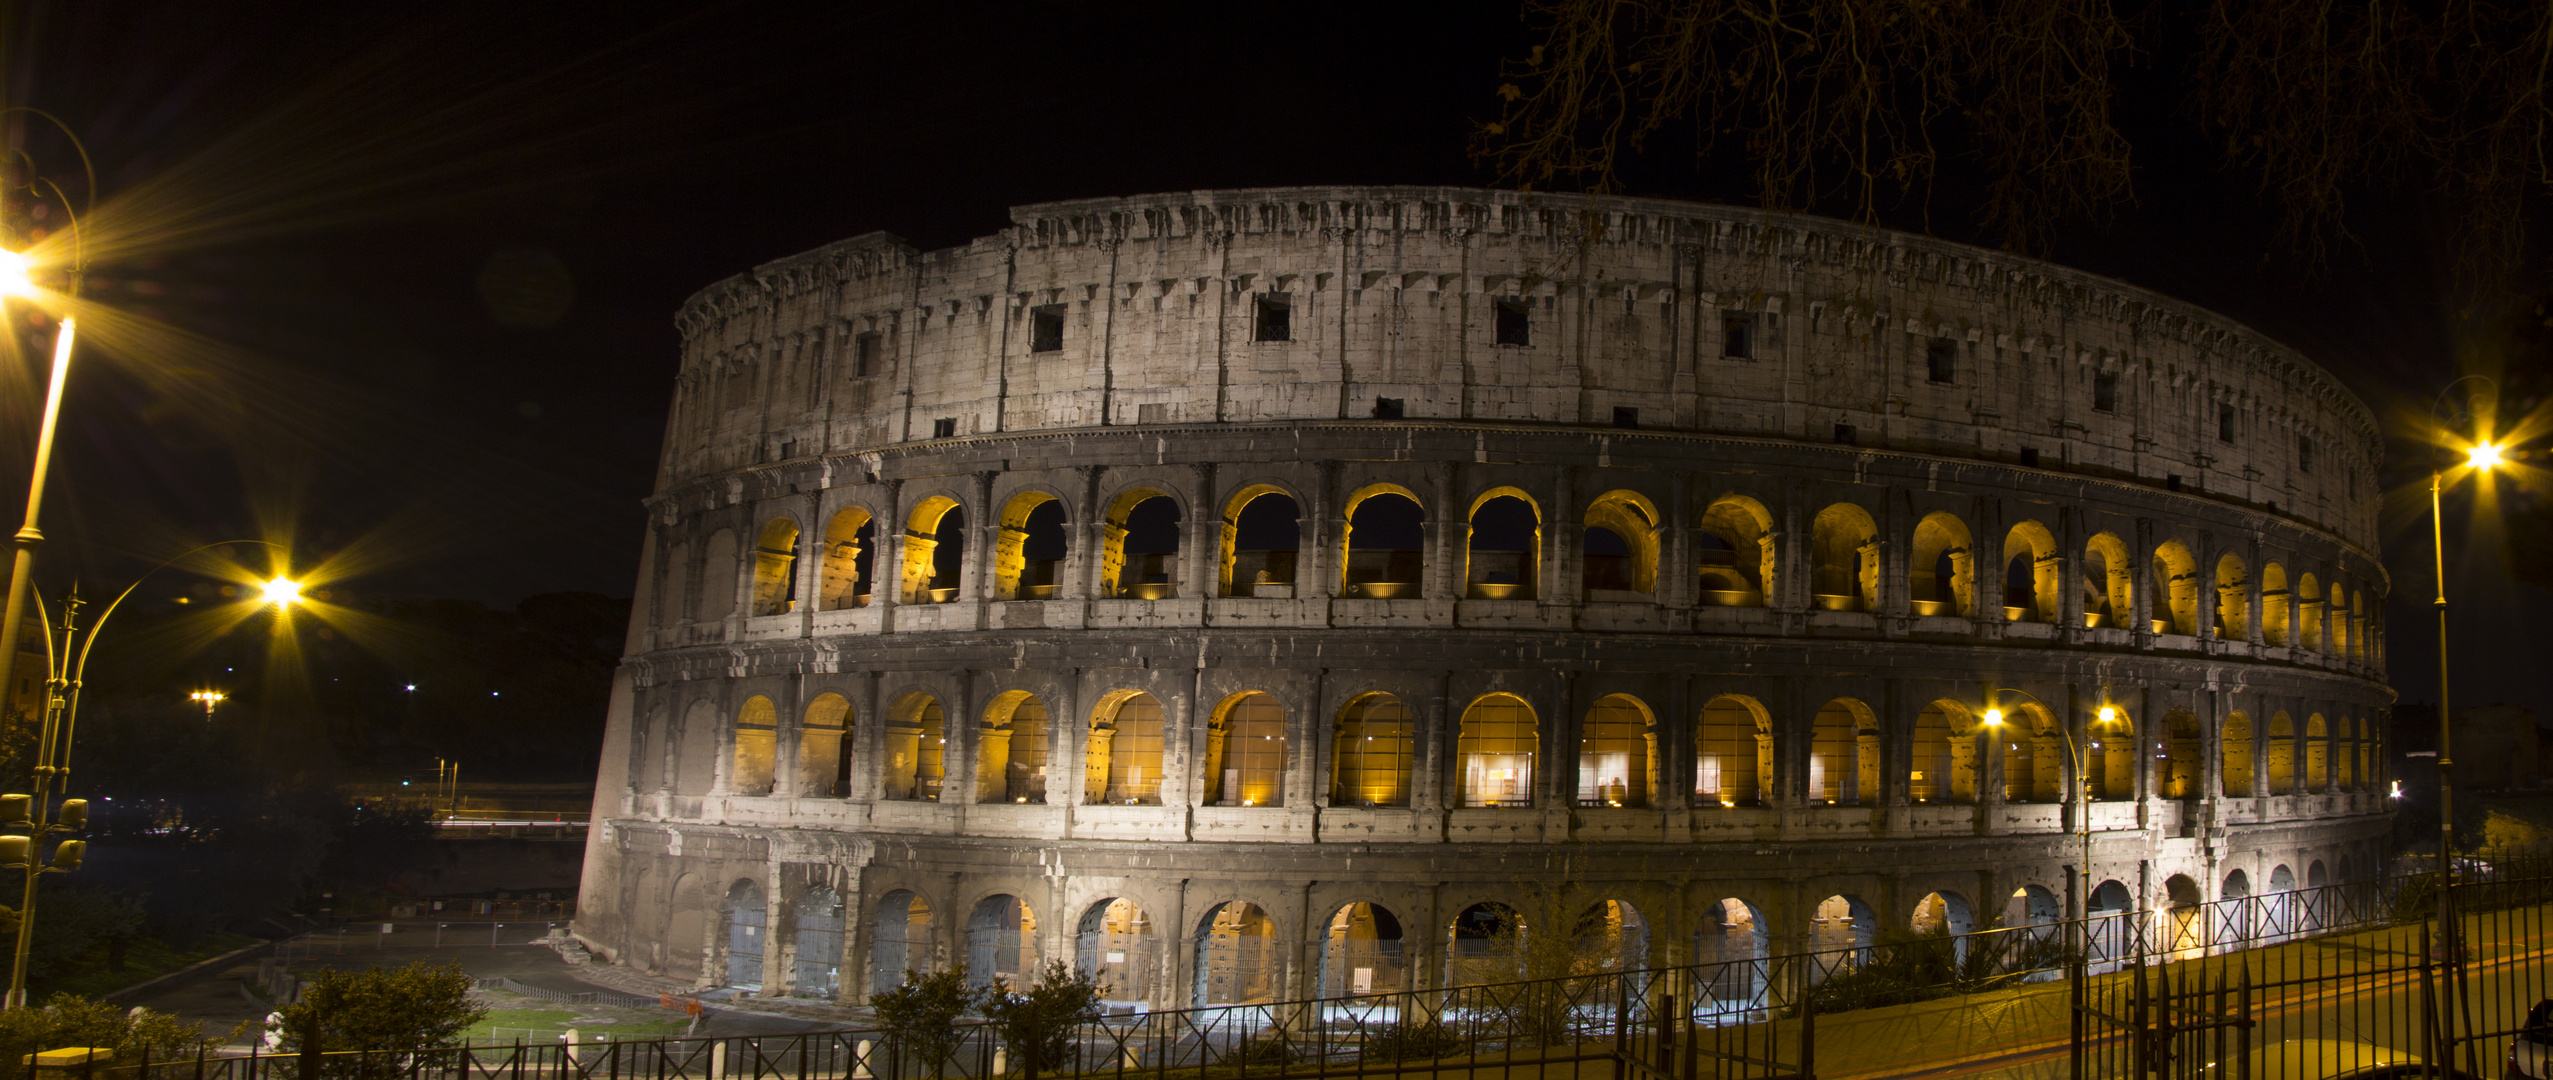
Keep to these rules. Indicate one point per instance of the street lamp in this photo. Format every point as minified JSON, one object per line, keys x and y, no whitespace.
{"x":2082,"y":799}
{"x":2480,"y":457}
{"x":208,"y":698}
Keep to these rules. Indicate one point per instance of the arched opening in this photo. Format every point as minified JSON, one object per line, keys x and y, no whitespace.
{"x":1262,"y":534}
{"x":1245,"y":753}
{"x":741,"y":920}
{"x":2317,"y":754}
{"x":775,"y":585}
{"x":1843,"y":566}
{"x":916,"y":750}
{"x":1505,"y":548}
{"x":2108,"y":586}
{"x":2344,"y":755}
{"x":1030,"y":547}
{"x":1733,"y":949}
{"x":2175,"y":575}
{"x":1944,"y":766}
{"x":1236,"y":956}
{"x":850,"y":539}
{"x":1011,"y":752}
{"x":2282,"y":755}
{"x":824,"y":748}
{"x":1839,"y":936}
{"x":2309,"y":613}
{"x":2233,"y":599}
{"x":2112,"y":911}
{"x":1621,"y":548}
{"x":1123,"y":759}
{"x":1733,"y":758}
{"x":1942,"y":575}
{"x":717,"y":578}
{"x":1361,"y":953}
{"x":2183,"y":904}
{"x":1384,"y":545}
{"x":2180,"y":746}
{"x":2236,"y":923}
{"x":2234,"y":756}
{"x":2033,"y":574}
{"x":2111,"y":756}
{"x":1735,"y":544}
{"x":1372,"y":742}
{"x":1943,"y":913}
{"x":816,"y":971}
{"x":1843,"y":755}
{"x":1497,"y":751}
{"x":757,"y":742}
{"x":1484,"y":944}
{"x":2316,"y":875}
{"x":2273,"y":607}
{"x":2283,"y":912}
{"x":934,"y":551}
{"x":1001,"y":941}
{"x":695,"y":762}
{"x":1617,"y":752}
{"x":1610,"y":936}
{"x":2035,"y":910}
{"x":1115,"y":944}
{"x":1140,"y":559}
{"x":2033,"y":758}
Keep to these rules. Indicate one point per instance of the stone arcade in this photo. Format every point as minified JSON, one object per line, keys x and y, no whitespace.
{"x":1233,"y":592}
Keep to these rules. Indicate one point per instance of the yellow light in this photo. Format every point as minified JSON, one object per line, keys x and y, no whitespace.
{"x":1994,"y":716}
{"x":283,"y":592}
{"x":2482,"y":455}
{"x":14,"y":279}
{"x":2109,"y":714}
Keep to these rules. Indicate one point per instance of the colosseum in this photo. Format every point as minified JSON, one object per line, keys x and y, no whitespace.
{"x":1249,"y":595}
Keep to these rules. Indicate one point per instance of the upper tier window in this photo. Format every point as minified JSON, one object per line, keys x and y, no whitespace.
{"x":1941,"y":359}
{"x":1514,"y":323}
{"x":1737,"y":335}
{"x":2105,"y":391}
{"x":1276,"y":317}
{"x":1046,"y":328}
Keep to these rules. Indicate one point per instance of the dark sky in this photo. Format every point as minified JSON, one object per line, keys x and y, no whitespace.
{"x":424,"y":258}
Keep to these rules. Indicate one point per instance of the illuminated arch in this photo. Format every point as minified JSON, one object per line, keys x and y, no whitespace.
{"x":2109,"y":587}
{"x":2317,"y":754}
{"x":1502,"y":546}
{"x":1735,"y":548}
{"x":849,"y":548}
{"x":1263,"y":561}
{"x":915,"y":748}
{"x":1941,"y":577}
{"x":2175,"y":582}
{"x":1378,"y":568}
{"x":2275,"y":629}
{"x":1013,"y":750}
{"x":775,"y":558}
{"x":934,"y":551}
{"x":1496,"y":751}
{"x":2033,"y":574}
{"x":2282,"y":754}
{"x":1631,"y":521}
{"x":1618,"y":753}
{"x":1031,"y":546}
{"x":1245,"y":758}
{"x":2233,"y":599}
{"x":1372,"y":749}
{"x":1733,"y":755}
{"x":1944,"y":759}
{"x":2309,"y":611}
{"x":824,"y":747}
{"x":1843,"y":754}
{"x":757,"y":741}
{"x":2235,"y":760}
{"x":1135,"y":560}
{"x":1844,"y":559}
{"x":1122,"y":756}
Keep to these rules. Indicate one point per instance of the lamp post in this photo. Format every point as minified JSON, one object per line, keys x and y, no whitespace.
{"x":34,"y":814}
{"x":2082,"y":799}
{"x":2480,"y":457}
{"x":208,"y":699}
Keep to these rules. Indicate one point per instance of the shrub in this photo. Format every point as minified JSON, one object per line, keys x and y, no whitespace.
{"x":1039,"y":1024}
{"x":920,"y":1017}
{"x":416,"y":1007}
{"x":1406,"y":1041}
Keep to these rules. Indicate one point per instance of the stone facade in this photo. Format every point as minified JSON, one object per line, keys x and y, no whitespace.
{"x":1354,"y":557}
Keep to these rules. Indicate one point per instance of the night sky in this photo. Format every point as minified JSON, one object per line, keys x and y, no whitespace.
{"x":413,"y":267}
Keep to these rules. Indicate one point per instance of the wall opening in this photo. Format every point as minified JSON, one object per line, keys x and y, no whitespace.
{"x":916,"y":750}
{"x":1735,"y":545}
{"x":1620,"y":551}
{"x":1945,"y":755}
{"x":1245,"y":753}
{"x":1372,"y":755}
{"x":1262,"y":535}
{"x":757,"y":742}
{"x":1497,"y":752}
{"x":824,"y":748}
{"x":1617,"y":751}
{"x":1001,"y":942}
{"x":934,"y":551}
{"x":1141,"y":557}
{"x":2180,"y":750}
{"x":899,"y":940}
{"x":2235,"y":757}
{"x":2175,"y":583}
{"x":1236,"y":956}
{"x":1011,"y":753}
{"x":2109,"y":597}
{"x":2233,"y":600}
{"x":1384,"y":557}
{"x":2273,"y":607}
{"x":1942,"y":575}
{"x":1504,"y":550}
{"x":1362,"y":953}
{"x":1843,"y":755}
{"x":816,"y":971}
{"x":1029,"y":551}
{"x":1844,"y":559}
{"x":1840,"y":934}
{"x":1123,"y":762}
{"x":849,"y":542}
{"x":1734,"y":948}
{"x":775,"y":580}
{"x":1484,"y":944}
{"x":742,"y":918}
{"x":1733,"y":758}
{"x":1116,"y":945}
{"x":2282,"y":755}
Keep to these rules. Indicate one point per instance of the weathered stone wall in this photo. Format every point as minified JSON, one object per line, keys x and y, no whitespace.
{"x":833,"y":688}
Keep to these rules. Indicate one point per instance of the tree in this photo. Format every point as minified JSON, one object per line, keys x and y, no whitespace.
{"x":920,"y":1016}
{"x":70,"y":1020}
{"x":420,"y":1006}
{"x":1040,"y":1024}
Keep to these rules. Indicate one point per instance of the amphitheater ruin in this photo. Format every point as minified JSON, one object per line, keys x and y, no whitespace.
{"x":1250,"y":595}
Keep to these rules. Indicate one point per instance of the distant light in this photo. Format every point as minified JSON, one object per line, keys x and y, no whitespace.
{"x":14,"y":279}
{"x":2397,"y":789}
{"x":491,"y":693}
{"x":2109,"y":714}
{"x":1994,"y":716}
{"x":283,"y":592}
{"x":412,"y":687}
{"x":2482,"y":455}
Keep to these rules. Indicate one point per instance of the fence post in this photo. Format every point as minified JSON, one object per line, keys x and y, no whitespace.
{"x":2140,"y":1035}
{"x":1621,"y":1033}
{"x":1808,"y":1037}
{"x":2243,"y":1027}
{"x":1666,"y":1034}
{"x":2428,"y":1002}
{"x":2075,"y":974}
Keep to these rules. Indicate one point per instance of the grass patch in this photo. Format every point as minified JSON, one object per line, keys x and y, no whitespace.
{"x":144,"y":959}
{"x":515,"y":1021}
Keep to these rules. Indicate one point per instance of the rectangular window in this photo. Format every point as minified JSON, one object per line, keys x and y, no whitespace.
{"x":2304,"y":454}
{"x":1046,"y":328}
{"x":1276,"y":317}
{"x":2029,"y":457}
{"x":944,"y":428}
{"x":2105,"y":392}
{"x":1514,"y":323}
{"x":1941,"y":359}
{"x":2224,"y":423}
{"x":1625,"y":418}
{"x":864,"y":354}
{"x":1387,"y":408}
{"x":1844,"y":434}
{"x":1737,"y":335}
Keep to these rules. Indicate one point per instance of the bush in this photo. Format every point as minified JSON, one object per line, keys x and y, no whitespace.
{"x":71,"y":1020}
{"x":412,"y":1008}
{"x":920,"y":1017}
{"x":1406,"y":1041}
{"x":1039,"y":1025}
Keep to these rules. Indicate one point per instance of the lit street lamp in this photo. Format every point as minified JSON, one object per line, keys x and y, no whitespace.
{"x":208,"y":698}
{"x":2480,"y":457}
{"x":2082,"y":799}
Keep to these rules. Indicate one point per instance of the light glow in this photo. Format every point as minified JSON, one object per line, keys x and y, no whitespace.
{"x":282,"y":592}
{"x":1995,"y":717}
{"x":14,"y":277}
{"x":2109,"y":714}
{"x":2482,"y":455}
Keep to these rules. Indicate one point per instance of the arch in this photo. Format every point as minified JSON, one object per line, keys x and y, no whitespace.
{"x":1733,"y":948}
{"x":741,"y":920}
{"x":1122,"y":760}
{"x":2309,"y":613}
{"x":2033,"y":574}
{"x":1735,"y":543}
{"x":2033,"y":760}
{"x":1262,"y":535}
{"x":2175,"y":584}
{"x":2317,"y":754}
{"x":2237,"y":923}
{"x":1841,"y":930}
{"x":2111,"y":756}
{"x":1139,"y":546}
{"x":1116,"y":946}
{"x":2339,"y":618}
{"x":1944,"y":768}
{"x":775,"y":557}
{"x":1030,"y":547}
{"x":2284,"y":911}
{"x":2344,"y":754}
{"x":2316,"y":875}
{"x":816,"y":967}
{"x":1611,"y":935}
{"x":2109,"y":585}
{"x":2282,"y":754}
{"x":824,"y":747}
{"x":1362,"y":952}
{"x":2234,"y":758}
{"x":717,"y":597}
{"x":2183,"y":906}
{"x":2233,"y":599}
{"x":899,"y":939}
{"x":2110,"y":930}
{"x":1618,"y":753}
{"x":1502,"y":546}
{"x":1843,"y":565}
{"x":1943,"y":912}
{"x":2180,"y":746}
{"x":1371,"y":753}
{"x":2274,"y":621}
{"x":1013,"y":750}
{"x":2032,"y":906}
{"x":1733,"y":758}
{"x":850,"y":540}
{"x":1001,"y":941}
{"x":1942,"y":576}
{"x":1383,"y":547}
{"x":1496,"y":751}
{"x":1631,"y":520}
{"x":1484,"y":944}
{"x":1843,"y":754}
{"x":695,"y":763}
{"x":916,"y":750}
{"x":2358,"y":616}
{"x":757,"y":741}
{"x":1237,"y":960}
{"x":934,"y":551}
{"x":1246,"y":760}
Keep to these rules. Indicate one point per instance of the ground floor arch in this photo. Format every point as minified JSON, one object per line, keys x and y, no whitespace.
{"x":899,"y":939}
{"x":1236,"y":961}
{"x":1115,"y":944}
{"x":1001,"y":941}
{"x":1363,"y":951}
